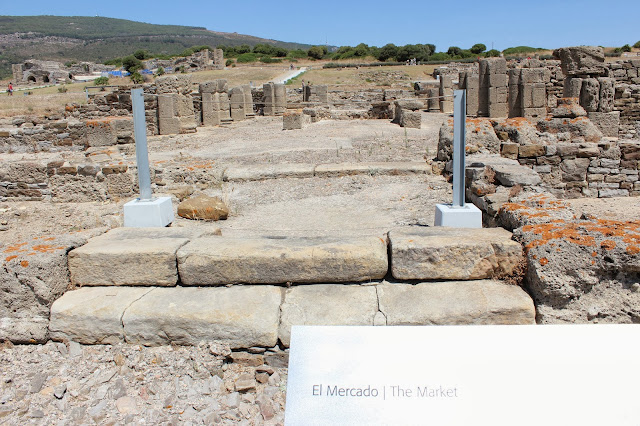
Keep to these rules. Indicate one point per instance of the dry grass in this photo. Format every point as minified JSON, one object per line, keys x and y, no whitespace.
{"x":364,"y":77}
{"x":242,"y":74}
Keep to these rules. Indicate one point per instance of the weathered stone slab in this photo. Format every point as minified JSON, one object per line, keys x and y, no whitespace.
{"x":442,"y":253}
{"x":454,"y":303}
{"x":327,"y":304}
{"x":219,"y":261}
{"x":92,"y":315}
{"x":511,"y":175}
{"x":376,"y":168}
{"x":267,"y":171}
{"x":129,"y":256}
{"x":240,"y":316}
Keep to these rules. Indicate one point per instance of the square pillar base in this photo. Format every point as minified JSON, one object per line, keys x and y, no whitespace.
{"x":154,"y":213}
{"x":468,"y":216}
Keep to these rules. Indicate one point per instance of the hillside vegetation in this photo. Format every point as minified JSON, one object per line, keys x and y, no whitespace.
{"x":97,"y":39}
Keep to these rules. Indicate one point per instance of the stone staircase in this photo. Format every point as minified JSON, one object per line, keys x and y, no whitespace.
{"x":184,"y":285}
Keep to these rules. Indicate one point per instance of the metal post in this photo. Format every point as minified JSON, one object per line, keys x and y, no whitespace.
{"x":459,"y":137}
{"x":140,"y":133}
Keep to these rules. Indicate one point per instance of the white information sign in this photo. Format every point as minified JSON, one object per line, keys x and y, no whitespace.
{"x":464,"y":375}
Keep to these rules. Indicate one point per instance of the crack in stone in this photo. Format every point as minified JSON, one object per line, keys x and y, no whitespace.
{"x":124,"y":334}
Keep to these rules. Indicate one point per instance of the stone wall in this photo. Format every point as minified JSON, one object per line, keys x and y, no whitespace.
{"x":566,"y":151}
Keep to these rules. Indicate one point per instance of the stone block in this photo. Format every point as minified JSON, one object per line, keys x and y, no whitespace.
{"x":572,"y":87}
{"x":476,"y":302}
{"x":607,"y":94}
{"x":240,"y":316}
{"x":498,"y":110}
{"x":509,"y":150}
{"x":581,"y":60}
{"x":411,"y":119}
{"x":327,"y":304}
{"x":498,"y":80}
{"x":607,"y":122}
{"x":220,"y":261}
{"x":441,"y":253}
{"x":114,"y":258}
{"x":92,"y":316}
{"x":295,"y":120}
{"x":590,"y":94}
{"x":512,"y":175}
{"x":494,"y":65}
{"x":101,"y":132}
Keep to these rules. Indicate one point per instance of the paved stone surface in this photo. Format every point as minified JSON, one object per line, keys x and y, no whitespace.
{"x":216,"y":261}
{"x":440,"y":253}
{"x":240,"y":316}
{"x":327,"y":304}
{"x":124,"y":256}
{"x":455,"y":302}
{"x":92,"y":315}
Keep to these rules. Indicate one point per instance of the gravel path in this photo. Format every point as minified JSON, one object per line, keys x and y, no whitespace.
{"x":69,"y":384}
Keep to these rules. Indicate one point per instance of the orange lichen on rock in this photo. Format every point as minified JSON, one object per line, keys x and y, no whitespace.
{"x":10,"y":258}
{"x":633,"y":250}
{"x":544,"y":261}
{"x":608,"y":244}
{"x":14,"y":248}
{"x":24,"y":263}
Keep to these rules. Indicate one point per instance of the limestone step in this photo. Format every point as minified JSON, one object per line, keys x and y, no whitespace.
{"x":267,"y":171}
{"x":130,"y":256}
{"x":221,"y":261}
{"x":441,"y":253}
{"x":374,"y":168}
{"x":248,"y":316}
{"x":169,"y":256}
{"x":239,"y":173}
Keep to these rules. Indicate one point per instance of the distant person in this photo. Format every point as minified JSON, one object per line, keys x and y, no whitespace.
{"x":10,"y":89}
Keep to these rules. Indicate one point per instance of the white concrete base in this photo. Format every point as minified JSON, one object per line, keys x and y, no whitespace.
{"x":468,"y":216}
{"x":154,"y":213}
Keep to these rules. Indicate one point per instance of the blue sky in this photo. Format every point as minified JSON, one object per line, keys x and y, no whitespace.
{"x":462,"y":23}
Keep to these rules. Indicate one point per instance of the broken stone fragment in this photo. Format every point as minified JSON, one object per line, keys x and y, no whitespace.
{"x":203,"y":207}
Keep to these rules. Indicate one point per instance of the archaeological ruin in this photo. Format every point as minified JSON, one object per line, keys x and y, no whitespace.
{"x":313,"y":205}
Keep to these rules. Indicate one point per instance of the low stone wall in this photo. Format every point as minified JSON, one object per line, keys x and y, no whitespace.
{"x":570,"y":155}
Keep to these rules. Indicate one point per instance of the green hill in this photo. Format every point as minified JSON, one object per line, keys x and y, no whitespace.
{"x":97,"y":39}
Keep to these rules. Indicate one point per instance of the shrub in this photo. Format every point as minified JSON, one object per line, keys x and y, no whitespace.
{"x":270,"y":60}
{"x":160,"y":71}
{"x":62,"y":89}
{"x":228,"y":63}
{"x":246,"y":58}
{"x":626,"y":48}
{"x":101,"y":81}
{"x":637,"y":45}
{"x":493,"y":53}
{"x":297,"y":54}
{"x":137,"y":78}
{"x":141,"y":54}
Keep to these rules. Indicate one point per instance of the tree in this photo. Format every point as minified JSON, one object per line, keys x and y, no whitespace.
{"x":243,"y":48}
{"x":637,"y":45}
{"x":140,"y":54}
{"x":454,"y":51}
{"x":317,"y":52}
{"x":626,"y":48}
{"x":477,"y":49}
{"x":493,"y":53}
{"x":388,"y":51}
{"x":361,"y":50}
{"x":131,"y":63}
